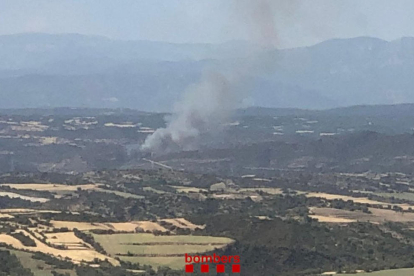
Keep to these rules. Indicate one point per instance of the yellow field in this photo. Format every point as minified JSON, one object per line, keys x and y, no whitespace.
{"x":25,"y":211}
{"x":6,"y":216}
{"x":67,"y":239}
{"x":362,"y":200}
{"x":150,"y":238}
{"x":29,"y":198}
{"x":67,"y":189}
{"x":75,"y":255}
{"x":51,"y":187}
{"x":272,"y":191}
{"x":184,"y":189}
{"x":150,"y":189}
{"x":183,"y":223}
{"x":331,"y":219}
{"x":158,"y":250}
{"x":119,"y":226}
{"x":136,"y":271}
{"x":376,"y":216}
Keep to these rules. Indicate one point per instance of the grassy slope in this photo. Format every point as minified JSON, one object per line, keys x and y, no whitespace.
{"x":32,"y":264}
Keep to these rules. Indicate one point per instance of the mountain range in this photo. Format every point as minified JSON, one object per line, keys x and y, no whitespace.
{"x":53,"y":70}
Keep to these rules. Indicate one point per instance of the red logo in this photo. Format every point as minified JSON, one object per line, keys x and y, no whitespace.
{"x":217,"y":263}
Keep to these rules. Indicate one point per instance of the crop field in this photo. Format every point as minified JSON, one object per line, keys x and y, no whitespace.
{"x":272,"y":191}
{"x":150,"y":189}
{"x":38,"y":267}
{"x":362,"y":200}
{"x":120,"y":226}
{"x":158,"y":250}
{"x":346,"y":216}
{"x":155,"y":262}
{"x":330,"y":219}
{"x":51,"y":187}
{"x":23,"y":211}
{"x":182,"y":223}
{"x":60,"y":189}
{"x":74,"y":255}
{"x":140,"y":247}
{"x":67,"y":239}
{"x":29,"y":198}
{"x":6,"y":216}
{"x":405,"y":196}
{"x":185,"y":189}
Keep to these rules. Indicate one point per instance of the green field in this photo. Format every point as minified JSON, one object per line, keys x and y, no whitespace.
{"x":155,"y":262}
{"x":158,"y":245}
{"x":405,"y":196}
{"x":34,"y":265}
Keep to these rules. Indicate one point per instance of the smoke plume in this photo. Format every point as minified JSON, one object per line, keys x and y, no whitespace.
{"x":206,"y":106}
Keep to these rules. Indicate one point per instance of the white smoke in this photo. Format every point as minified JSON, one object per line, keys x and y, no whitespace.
{"x":206,"y":106}
{"x":203,"y":108}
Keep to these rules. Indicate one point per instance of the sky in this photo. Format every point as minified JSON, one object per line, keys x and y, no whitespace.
{"x":297,"y":22}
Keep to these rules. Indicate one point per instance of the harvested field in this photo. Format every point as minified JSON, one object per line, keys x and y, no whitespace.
{"x":6,"y":216}
{"x":184,"y":189}
{"x":229,"y":196}
{"x":120,"y":226}
{"x":376,"y":216}
{"x":404,"y":196}
{"x":272,"y":191}
{"x":361,"y":200}
{"x":158,"y":250}
{"x":51,"y":187}
{"x":183,"y":223}
{"x":29,"y":198}
{"x":67,"y":239}
{"x":68,"y":189}
{"x":331,"y":219}
{"x":136,"y":271}
{"x":22,"y":211}
{"x":76,"y":256}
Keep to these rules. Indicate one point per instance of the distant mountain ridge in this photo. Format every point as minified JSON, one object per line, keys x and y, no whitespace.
{"x":393,"y":110}
{"x":38,"y":70}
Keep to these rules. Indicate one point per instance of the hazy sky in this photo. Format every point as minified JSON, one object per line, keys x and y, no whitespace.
{"x":298,"y":22}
